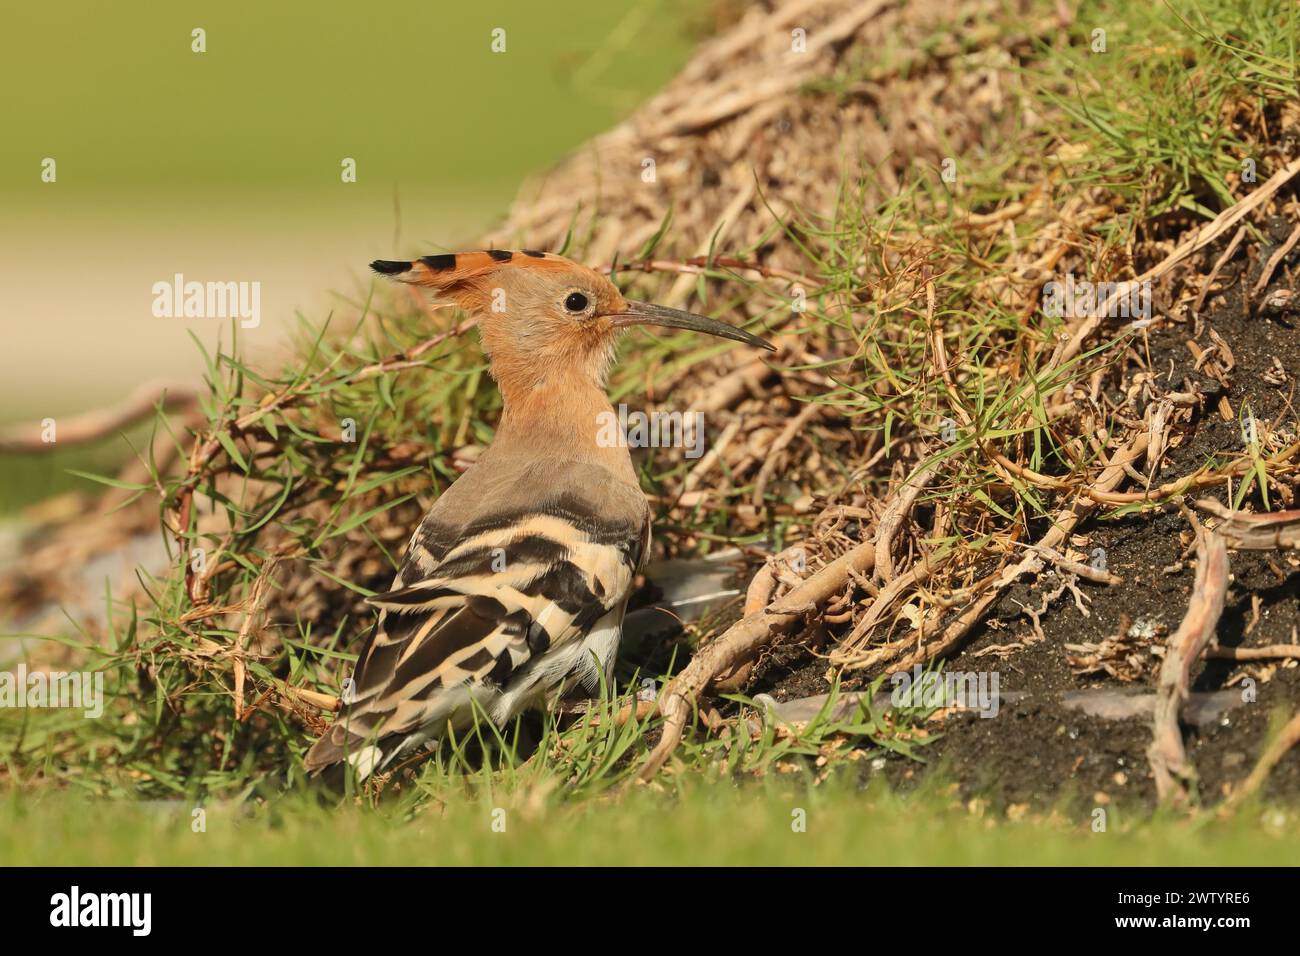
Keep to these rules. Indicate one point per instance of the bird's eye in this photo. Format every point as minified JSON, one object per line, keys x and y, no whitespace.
{"x":576,"y":302}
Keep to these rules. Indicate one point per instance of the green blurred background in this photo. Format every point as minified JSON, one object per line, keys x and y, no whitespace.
{"x":225,"y":165}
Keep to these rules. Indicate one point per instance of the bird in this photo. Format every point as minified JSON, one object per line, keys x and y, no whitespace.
{"x":512,"y":590}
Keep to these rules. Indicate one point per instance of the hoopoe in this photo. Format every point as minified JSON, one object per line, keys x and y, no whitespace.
{"x":514,"y":585}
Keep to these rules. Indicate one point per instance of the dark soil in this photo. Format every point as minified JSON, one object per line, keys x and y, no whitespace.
{"x":1037,"y":751}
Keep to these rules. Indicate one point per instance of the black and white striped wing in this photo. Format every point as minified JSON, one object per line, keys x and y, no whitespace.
{"x":500,"y":617}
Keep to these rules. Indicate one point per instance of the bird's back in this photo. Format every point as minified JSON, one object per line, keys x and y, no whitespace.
{"x":511,"y":582}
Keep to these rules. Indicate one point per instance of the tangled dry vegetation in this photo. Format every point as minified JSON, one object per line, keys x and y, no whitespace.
{"x":923,"y":468}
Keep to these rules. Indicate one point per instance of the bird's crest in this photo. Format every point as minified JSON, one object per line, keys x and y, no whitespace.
{"x":467,"y":278}
{"x":441,"y":271}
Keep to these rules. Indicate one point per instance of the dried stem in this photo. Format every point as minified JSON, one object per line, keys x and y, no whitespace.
{"x":1173,"y":772}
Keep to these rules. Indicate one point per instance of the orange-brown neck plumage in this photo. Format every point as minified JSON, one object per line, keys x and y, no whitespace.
{"x":543,"y":323}
{"x":560,"y":420}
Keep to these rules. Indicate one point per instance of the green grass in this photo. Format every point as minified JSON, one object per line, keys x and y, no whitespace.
{"x":170,"y":734}
{"x":1163,"y":117}
{"x":714,"y":824}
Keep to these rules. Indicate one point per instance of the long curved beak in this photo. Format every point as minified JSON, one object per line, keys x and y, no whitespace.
{"x":644,"y":313}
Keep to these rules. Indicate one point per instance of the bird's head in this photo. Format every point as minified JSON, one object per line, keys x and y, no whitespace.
{"x":542,"y":315}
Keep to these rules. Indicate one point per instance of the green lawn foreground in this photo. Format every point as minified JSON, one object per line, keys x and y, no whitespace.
{"x":715,"y":824}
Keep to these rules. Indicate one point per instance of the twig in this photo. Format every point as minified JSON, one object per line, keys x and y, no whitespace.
{"x":1277,"y":530}
{"x":703,"y":265}
{"x":848,"y":654}
{"x":1219,"y":264}
{"x":716,"y":234}
{"x":1199,"y":239}
{"x":326,"y":702}
{"x":1269,"y":267}
{"x":256,"y":600}
{"x":1277,"y":747}
{"x":1085,"y":571}
{"x":634,"y":710}
{"x":788,"y":434}
{"x":733,"y":386}
{"x":711,"y":457}
{"x":895,"y":514}
{"x":1172,"y":770}
{"x":1266,"y":653}
{"x":100,"y":423}
{"x":1203,"y":478}
{"x":752,"y":632}
{"x":757,"y":596}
